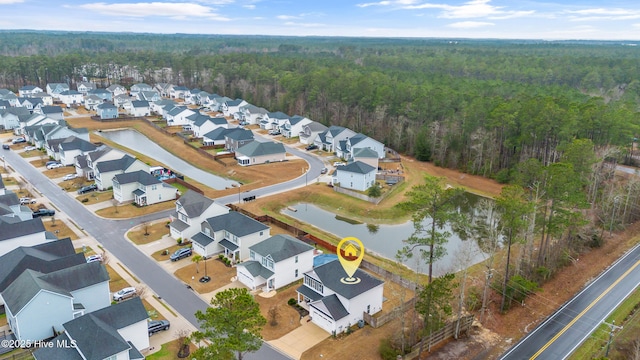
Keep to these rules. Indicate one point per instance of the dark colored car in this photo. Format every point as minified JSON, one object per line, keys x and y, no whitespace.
{"x":312,"y":147}
{"x":180,"y":254}
{"x":43,"y":212}
{"x":158,"y":325}
{"x":88,"y":188}
{"x":5,"y":146}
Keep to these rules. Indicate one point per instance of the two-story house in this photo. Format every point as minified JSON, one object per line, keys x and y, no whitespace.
{"x":15,"y":232}
{"x":47,"y":100}
{"x":356,"y":175}
{"x":103,"y":94}
{"x":293,"y":126}
{"x":335,"y":304}
{"x":71,"y":147}
{"x":135,"y":88}
{"x":53,"y":112}
{"x":28,"y":90}
{"x":192,"y":209}
{"x":252,"y":114}
{"x":117,"y":332}
{"x":91,"y":102}
{"x":140,"y":108}
{"x":178,"y":92}
{"x":236,"y":138}
{"x":347,"y":146}
{"x":37,"y":304}
{"x":107,"y":111}
{"x":203,"y":124}
{"x":231,"y":107}
{"x":10,"y":118}
{"x":116,"y":89}
{"x":54,"y":89}
{"x":84,"y":87}
{"x":217,"y":103}
{"x":275,"y":262}
{"x":310,"y":131}
{"x":141,"y":188}
{"x":232,"y":233}
{"x":178,"y":116}
{"x":70,"y":97}
{"x":329,"y":139}
{"x":86,"y":165}
{"x":104,"y":171}
{"x":273,"y":120}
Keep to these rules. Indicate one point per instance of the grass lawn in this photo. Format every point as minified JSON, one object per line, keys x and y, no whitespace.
{"x":158,"y":255}
{"x":220,"y":274}
{"x":31,"y":153}
{"x":180,"y":187}
{"x":39,"y":162}
{"x":288,"y":318}
{"x":130,"y":210}
{"x":3,"y":319}
{"x":75,"y":184}
{"x":59,"y":172}
{"x":169,"y":351}
{"x":95,"y":197}
{"x":116,"y":282}
{"x":155,"y":232}
{"x":59,"y":228}
{"x":153,"y":313}
{"x":9,"y":181}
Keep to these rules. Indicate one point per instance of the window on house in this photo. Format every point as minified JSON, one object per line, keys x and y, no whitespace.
{"x":368,"y":309}
{"x":252,"y":254}
{"x":296,"y":273}
{"x":313,"y":284}
{"x":296,"y":260}
{"x":207,"y":231}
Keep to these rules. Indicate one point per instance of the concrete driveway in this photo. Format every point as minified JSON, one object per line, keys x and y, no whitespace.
{"x":301,"y":339}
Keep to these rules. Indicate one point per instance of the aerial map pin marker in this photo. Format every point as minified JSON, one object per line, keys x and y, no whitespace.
{"x":350,"y":250}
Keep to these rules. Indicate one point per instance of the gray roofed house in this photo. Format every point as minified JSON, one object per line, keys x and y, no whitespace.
{"x":140,"y":108}
{"x":192,"y":209}
{"x":236,"y":137}
{"x":107,"y":111}
{"x":118,"y":331}
{"x":356,"y":175}
{"x":140,"y":177}
{"x":104,"y":171}
{"x":255,"y":153}
{"x":15,"y":232}
{"x":142,"y":188}
{"x":335,"y":303}
{"x":53,"y":111}
{"x":216,"y":136}
{"x":10,"y":206}
{"x":71,"y":147}
{"x":103,"y":94}
{"x":366,"y":155}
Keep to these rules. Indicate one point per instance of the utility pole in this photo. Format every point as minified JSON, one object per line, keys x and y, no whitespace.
{"x":613,"y":327}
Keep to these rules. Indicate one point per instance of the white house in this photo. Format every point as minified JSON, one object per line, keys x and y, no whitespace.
{"x":140,"y":108}
{"x":192,"y":209}
{"x":203,"y":124}
{"x":122,"y":100}
{"x":162,"y":107}
{"x":273,"y":120}
{"x":255,"y":152}
{"x":84,"y":87}
{"x":47,"y":100}
{"x":232,"y":233}
{"x":86,"y":165}
{"x":178,"y":116}
{"x":36,"y":304}
{"x":230,"y":107}
{"x":117,"y":89}
{"x":216,"y":103}
{"x":356,"y":176}
{"x":71,"y":97}
{"x":141,"y":188}
{"x":10,"y":118}
{"x":293,"y":126}
{"x":28,"y":90}
{"x":329,"y":140}
{"x":53,"y":112}
{"x":71,"y":147}
{"x":140,"y":87}
{"x":310,"y":131}
{"x":14,"y":233}
{"x":335,"y":304}
{"x":104,"y":171}
{"x":178,"y":92}
{"x":252,"y":114}
{"x":275,"y":262}
{"x":54,"y":89}
{"x":91,"y":102}
{"x":347,"y":146}
{"x":117,"y":332}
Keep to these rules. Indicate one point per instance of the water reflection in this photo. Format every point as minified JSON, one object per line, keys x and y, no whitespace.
{"x":384,"y":239}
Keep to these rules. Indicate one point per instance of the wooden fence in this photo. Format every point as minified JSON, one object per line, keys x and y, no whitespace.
{"x":23,"y":354}
{"x":441,"y":335}
{"x":183,"y":183}
{"x":377,"y":321}
{"x":358,"y":195}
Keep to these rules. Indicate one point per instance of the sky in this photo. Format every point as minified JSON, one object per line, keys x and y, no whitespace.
{"x":503,"y":19}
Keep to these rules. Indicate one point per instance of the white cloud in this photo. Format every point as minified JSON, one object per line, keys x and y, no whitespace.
{"x":304,"y":24}
{"x":7,"y":2}
{"x":287,"y":17}
{"x":249,"y":6}
{"x":470,"y":24}
{"x":472,"y":9}
{"x":604,"y":14}
{"x":171,"y":10}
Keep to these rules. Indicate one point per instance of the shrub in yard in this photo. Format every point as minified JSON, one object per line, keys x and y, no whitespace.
{"x":387,"y":351}
{"x":85,"y":200}
{"x":179,"y":241}
{"x":292,"y":302}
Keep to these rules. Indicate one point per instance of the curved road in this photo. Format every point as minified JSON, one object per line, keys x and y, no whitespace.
{"x":111,"y":234}
{"x":559,"y":335}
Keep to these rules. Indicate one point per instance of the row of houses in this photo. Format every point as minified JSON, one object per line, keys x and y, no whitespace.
{"x":266,"y":262}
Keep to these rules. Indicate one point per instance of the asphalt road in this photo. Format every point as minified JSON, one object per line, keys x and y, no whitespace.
{"x":111,"y":234}
{"x":559,"y":335}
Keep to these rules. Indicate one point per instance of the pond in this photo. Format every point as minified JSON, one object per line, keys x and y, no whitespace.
{"x":140,"y":143}
{"x":385,"y":240}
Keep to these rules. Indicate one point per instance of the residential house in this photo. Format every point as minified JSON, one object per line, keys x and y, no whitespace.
{"x":107,"y":111}
{"x":52,"y":136}
{"x":329,"y":140}
{"x":202,"y":124}
{"x":231,"y":107}
{"x":86,"y":165}
{"x":347,"y":146}
{"x":84,"y":87}
{"x":4,"y":104}
{"x":217,"y":103}
{"x":104,"y":171}
{"x":10,"y":206}
{"x":140,"y":87}
{"x":29,"y":103}
{"x":149,"y":96}
{"x":28,"y":90}
{"x":53,"y":112}
{"x":141,"y":188}
{"x":275,"y":262}
{"x":91,"y":102}
{"x":15,"y":232}
{"x":104,"y":94}
{"x":273,"y":120}
{"x":256,"y":152}
{"x":178,"y":92}
{"x":117,"y":89}
{"x":161,"y":107}
{"x":114,"y":332}
{"x":366,"y":155}
{"x":10,"y":118}
{"x":33,"y":120}
{"x":232,"y":233}
{"x":356,"y":176}
{"x":216,"y":137}
{"x":178,"y":116}
{"x":236,"y":138}
{"x":192,"y":209}
{"x":121,"y":100}
{"x":54,"y":89}
{"x":140,"y":108}
{"x":71,"y":97}
{"x":11,"y":98}
{"x":310,"y":132}
{"x":252,"y":114}
{"x":293,"y":126}
{"x":38,"y":304}
{"x":335,"y":304}
{"x":47,"y":100}
{"x":71,"y":147}
{"x":163,"y":89}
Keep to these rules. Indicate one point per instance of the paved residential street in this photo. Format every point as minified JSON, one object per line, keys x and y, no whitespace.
{"x":110,"y":233}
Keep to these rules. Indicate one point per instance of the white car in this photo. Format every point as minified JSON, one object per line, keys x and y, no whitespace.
{"x":29,"y":148}
{"x":54,"y":166}
{"x":26,"y":200}
{"x":93,"y":258}
{"x":124,"y":294}
{"x":69,"y":177}
{"x":339,"y":163}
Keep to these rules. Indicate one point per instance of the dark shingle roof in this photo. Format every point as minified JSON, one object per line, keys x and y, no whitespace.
{"x":256,"y":148}
{"x":331,"y":273}
{"x":281,"y":247}
{"x":13,"y":230}
{"x":365,"y":153}
{"x":239,"y":134}
{"x":105,"y":106}
{"x":335,"y":130}
{"x":256,"y":269}
{"x":331,"y":305}
{"x":74,"y":143}
{"x":193,"y":203}
{"x":117,"y":164}
{"x":140,"y":103}
{"x":139,"y":176}
{"x":51,"y":109}
{"x":278,"y":115}
{"x":78,"y":276}
{"x":357,"y":167}
{"x":58,"y":353}
{"x":70,"y":92}
{"x":217,"y":134}
{"x":236,"y":223}
{"x":235,"y":102}
{"x":25,"y":287}
{"x":201,"y":239}
{"x":177,"y":110}
{"x":296,"y":119}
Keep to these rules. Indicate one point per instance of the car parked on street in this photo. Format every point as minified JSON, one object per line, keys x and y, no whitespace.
{"x":43,"y":212}
{"x":124,"y":294}
{"x":26,"y":200}
{"x":88,"y":188}
{"x":69,"y":177}
{"x":54,"y":166}
{"x":323,"y":171}
{"x":158,"y":325}
{"x":6,"y":146}
{"x":181,"y":253}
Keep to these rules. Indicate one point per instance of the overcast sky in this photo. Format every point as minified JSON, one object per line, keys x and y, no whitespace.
{"x":567,"y":19}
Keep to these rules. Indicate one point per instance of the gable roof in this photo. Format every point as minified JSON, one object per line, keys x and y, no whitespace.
{"x":139,"y":176}
{"x":70,"y":92}
{"x":331,"y":305}
{"x":335,"y":130}
{"x":52,"y":109}
{"x":24,"y":288}
{"x":217,"y":134}
{"x":357,"y":167}
{"x":235,"y":102}
{"x":256,"y":269}
{"x":115,"y":87}
{"x":236,"y":223}
{"x":281,"y":247}
{"x":193,"y":203}
{"x":99,"y":91}
{"x":117,"y":164}
{"x":58,"y":353}
{"x":10,"y":231}
{"x":28,"y":87}
{"x":75,"y":143}
{"x":239,"y":134}
{"x":254,"y":109}
{"x":364,"y":153}
{"x":177,"y":110}
{"x":278,"y":115}
{"x":140,"y":103}
{"x":296,"y":119}
{"x":256,"y":148}
{"x":331,"y":273}
{"x":107,"y":105}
